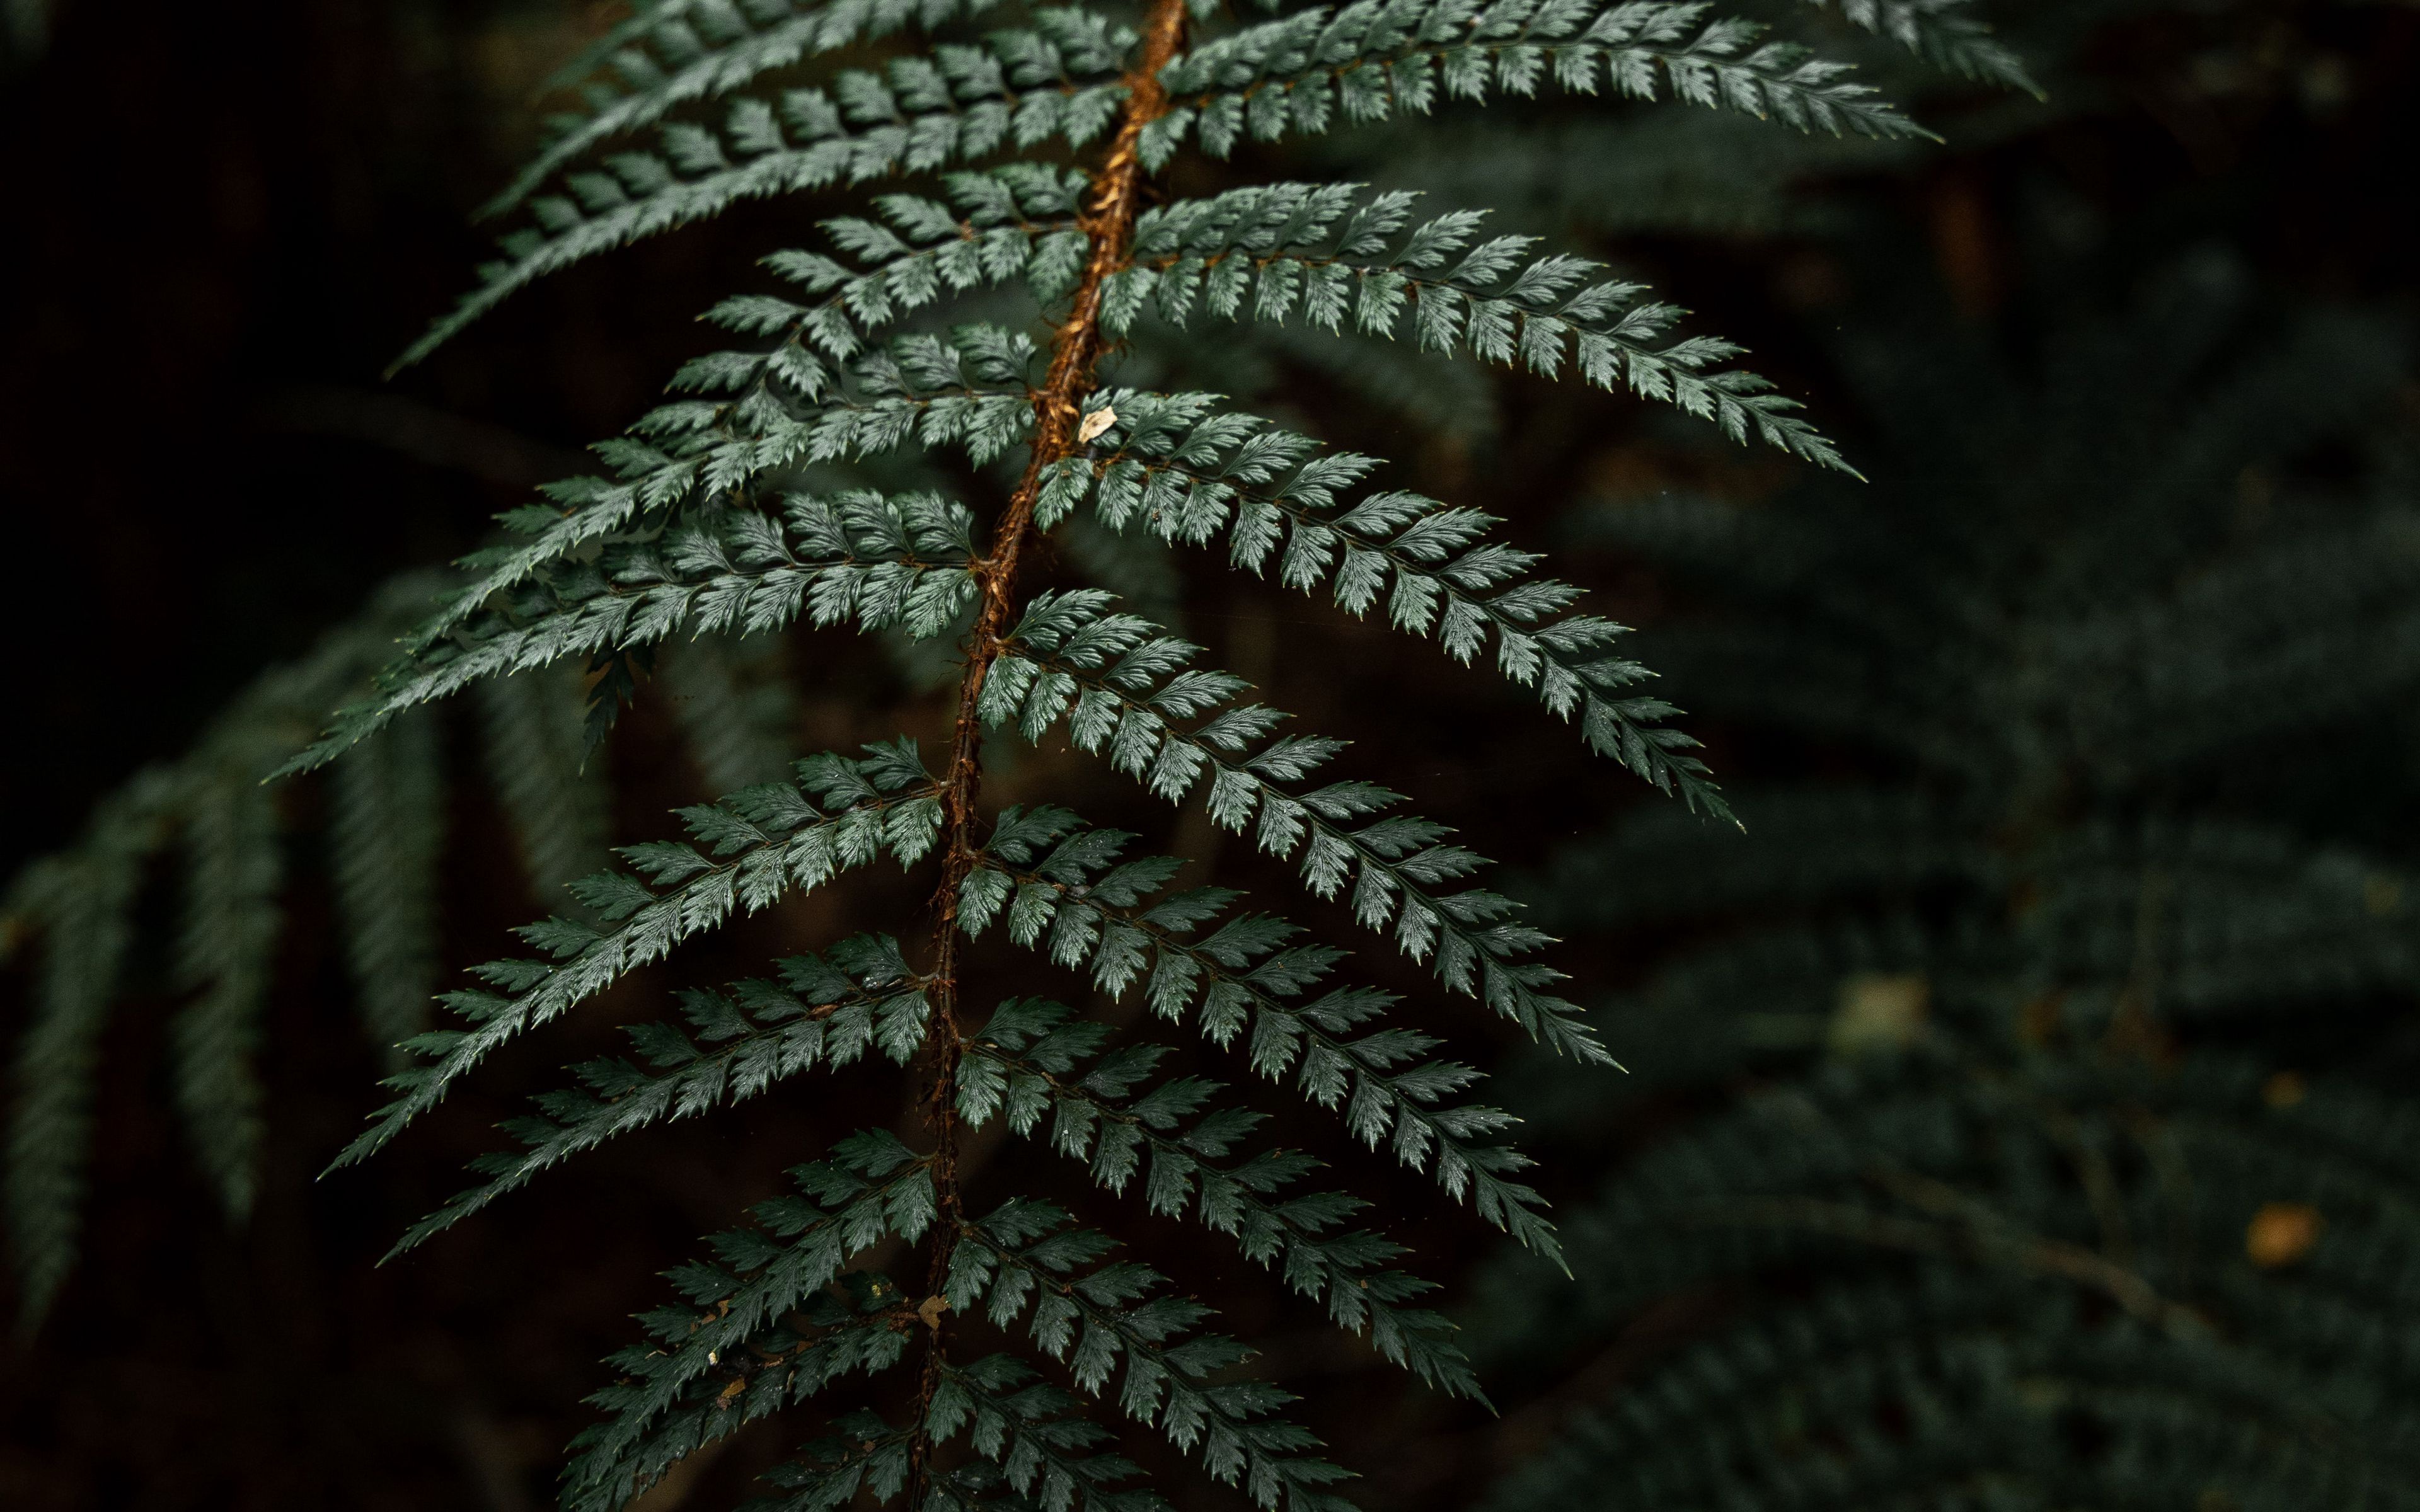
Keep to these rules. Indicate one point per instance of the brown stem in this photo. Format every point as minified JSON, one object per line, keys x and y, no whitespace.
{"x":1108,"y":224}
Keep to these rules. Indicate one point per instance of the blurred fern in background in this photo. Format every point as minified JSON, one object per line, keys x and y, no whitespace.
{"x":2049,"y":1142}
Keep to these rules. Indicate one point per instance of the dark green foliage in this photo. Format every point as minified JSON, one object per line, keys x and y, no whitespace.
{"x":1379,"y":58}
{"x":388,"y":836}
{"x":2072,"y":1250}
{"x":1333,"y":255}
{"x":1054,"y":874}
{"x":761,"y":842}
{"x":821,"y":1012}
{"x":997,"y":332}
{"x":2060,"y":1155}
{"x":1177,"y":466}
{"x":1942,"y":32}
{"x":82,"y":901}
{"x":79,"y":914}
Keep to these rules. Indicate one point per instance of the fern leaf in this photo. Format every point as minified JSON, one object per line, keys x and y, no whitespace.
{"x":1059,"y":884}
{"x":1025,"y":1263}
{"x":1944,"y":33}
{"x":761,"y":844}
{"x":1333,"y":257}
{"x":734,"y":708}
{"x":1121,"y":688}
{"x":225,"y":949}
{"x":83,"y":904}
{"x":825,"y":1012}
{"x":860,"y":557}
{"x":1174,"y":467}
{"x":536,"y":754}
{"x":1375,"y":58}
{"x":1036,"y":1435}
{"x":926,"y":391}
{"x":1858,"y":1161}
{"x":384,"y":843}
{"x":1029,"y":1059}
{"x":849,"y":366}
{"x":766,"y":1323}
{"x":917,"y":114}
{"x":71,"y":911}
{"x":685,"y":52}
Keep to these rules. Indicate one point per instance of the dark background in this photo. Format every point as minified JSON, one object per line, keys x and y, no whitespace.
{"x":224,"y":220}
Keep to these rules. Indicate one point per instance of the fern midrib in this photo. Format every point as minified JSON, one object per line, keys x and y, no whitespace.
{"x":1108,"y":224}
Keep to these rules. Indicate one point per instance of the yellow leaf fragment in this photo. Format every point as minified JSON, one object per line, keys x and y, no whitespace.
{"x":2281,"y":1233}
{"x":1878,"y":1010}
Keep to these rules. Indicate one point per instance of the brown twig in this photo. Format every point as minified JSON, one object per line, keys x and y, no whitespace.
{"x":1108,"y":224}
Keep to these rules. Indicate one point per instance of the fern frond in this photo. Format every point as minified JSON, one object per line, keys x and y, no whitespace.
{"x":1060,"y":886}
{"x":1029,"y":1059}
{"x":863,"y":1453}
{"x":2038,"y":1177}
{"x":1335,"y":255}
{"x":1016,"y":88}
{"x":825,"y":1012}
{"x":1945,"y":33}
{"x":1026,"y":1262}
{"x":630,"y":30}
{"x":860,"y":557}
{"x":1173,"y":466}
{"x":84,"y":903}
{"x":2035,"y":1178}
{"x":1998,"y":1377}
{"x":2235,"y":918}
{"x":762,"y":843}
{"x":921,"y":391}
{"x":1014,"y":224}
{"x":2272,"y":642}
{"x":385,"y":834}
{"x":2150,"y":633}
{"x":72,"y":917}
{"x":676,"y":52}
{"x":766,"y":1323}
{"x":686,"y":536}
{"x":1375,"y":59}
{"x":74,"y":913}
{"x":736,"y":709}
{"x":1119,"y":686}
{"x":534,"y":747}
{"x":1036,"y":1436}
{"x":226,"y":948}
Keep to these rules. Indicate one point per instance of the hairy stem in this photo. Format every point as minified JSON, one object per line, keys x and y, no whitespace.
{"x":1108,"y":224}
